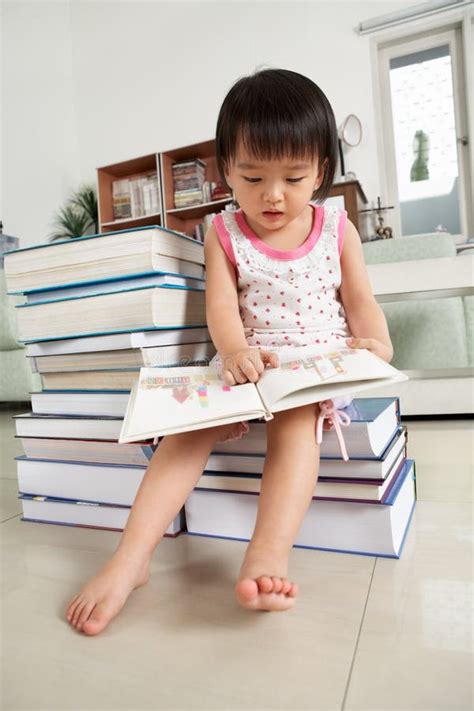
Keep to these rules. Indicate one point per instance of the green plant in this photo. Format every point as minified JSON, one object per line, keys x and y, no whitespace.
{"x":77,"y":216}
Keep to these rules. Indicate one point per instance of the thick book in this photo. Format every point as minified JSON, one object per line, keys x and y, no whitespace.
{"x":162,"y":356}
{"x":49,"y":509}
{"x":374,"y":469}
{"x":375,"y":422}
{"x":85,"y":481}
{"x":67,"y":402}
{"x":96,"y":257}
{"x":184,"y":399}
{"x":91,"y":380}
{"x":364,"y":490}
{"x":134,"y":310}
{"x":97,"y":427}
{"x":119,"y":341}
{"x":88,"y":450}
{"x":339,"y":526}
{"x":108,"y":286}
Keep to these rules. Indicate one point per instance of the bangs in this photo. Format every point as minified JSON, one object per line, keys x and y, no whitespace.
{"x":274,"y":138}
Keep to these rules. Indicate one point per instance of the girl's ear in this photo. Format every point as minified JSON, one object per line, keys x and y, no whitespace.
{"x":321,"y":172}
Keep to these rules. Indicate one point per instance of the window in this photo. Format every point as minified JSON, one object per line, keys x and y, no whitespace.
{"x":424,"y":119}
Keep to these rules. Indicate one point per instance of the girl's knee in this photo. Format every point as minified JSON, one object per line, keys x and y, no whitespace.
{"x":304,"y":416}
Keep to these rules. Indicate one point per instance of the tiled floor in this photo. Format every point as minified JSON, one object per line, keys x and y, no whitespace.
{"x":366,"y":634}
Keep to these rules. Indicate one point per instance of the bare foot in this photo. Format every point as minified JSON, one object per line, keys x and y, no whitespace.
{"x":262,"y":583}
{"x":105,"y":594}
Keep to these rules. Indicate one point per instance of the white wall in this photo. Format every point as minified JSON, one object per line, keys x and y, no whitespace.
{"x":89,"y":83}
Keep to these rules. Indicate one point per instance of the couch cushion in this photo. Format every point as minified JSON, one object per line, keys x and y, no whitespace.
{"x":16,"y":379}
{"x":8,"y":327}
{"x":402,"y":249}
{"x":428,"y":333}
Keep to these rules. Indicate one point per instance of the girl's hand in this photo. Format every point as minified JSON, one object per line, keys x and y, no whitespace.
{"x":247,"y":365}
{"x":373,"y":345}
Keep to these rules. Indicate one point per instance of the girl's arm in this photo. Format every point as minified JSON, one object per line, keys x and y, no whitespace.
{"x":364,"y":316}
{"x":240,"y":363}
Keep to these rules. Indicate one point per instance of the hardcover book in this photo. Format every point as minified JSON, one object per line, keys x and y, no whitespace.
{"x":134,"y":310}
{"x":341,"y":526}
{"x":116,"y":255}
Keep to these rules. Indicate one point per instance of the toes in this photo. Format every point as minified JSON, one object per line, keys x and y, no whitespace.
{"x":97,"y":621}
{"x":85,"y":614}
{"x":71,"y":607}
{"x":277,"y":584}
{"x":265,"y":583}
{"x":77,"y":612}
{"x":246,"y":590}
{"x":286,"y":586}
{"x":293,"y":592}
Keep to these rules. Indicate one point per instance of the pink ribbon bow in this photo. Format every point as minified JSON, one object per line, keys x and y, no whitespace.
{"x":338,"y":417}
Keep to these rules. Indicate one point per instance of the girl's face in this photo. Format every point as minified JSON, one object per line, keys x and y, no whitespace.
{"x":273,"y":193}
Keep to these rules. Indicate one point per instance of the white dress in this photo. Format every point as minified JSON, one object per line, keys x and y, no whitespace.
{"x":289,"y":297}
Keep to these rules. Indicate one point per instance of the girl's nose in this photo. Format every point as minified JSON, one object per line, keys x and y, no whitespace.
{"x":273,"y":193}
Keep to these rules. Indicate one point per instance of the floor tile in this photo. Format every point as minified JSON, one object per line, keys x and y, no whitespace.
{"x":444,"y":454}
{"x":181,"y":642}
{"x":415,"y":647}
{"x":9,"y":503}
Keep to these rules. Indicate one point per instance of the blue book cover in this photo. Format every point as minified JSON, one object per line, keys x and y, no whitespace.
{"x":109,"y":333}
{"x":147,"y":449}
{"x":124,"y":282}
{"x":110,"y":293}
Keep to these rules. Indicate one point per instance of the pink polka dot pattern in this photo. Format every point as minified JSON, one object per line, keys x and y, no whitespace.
{"x":278,"y":294}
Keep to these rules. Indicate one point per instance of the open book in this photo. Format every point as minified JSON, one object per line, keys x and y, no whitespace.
{"x":171,"y":400}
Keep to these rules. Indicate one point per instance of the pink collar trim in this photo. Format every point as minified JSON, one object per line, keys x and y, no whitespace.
{"x":301,"y":251}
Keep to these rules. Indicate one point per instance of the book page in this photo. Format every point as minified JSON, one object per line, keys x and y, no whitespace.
{"x":171,"y":400}
{"x":305,"y":377}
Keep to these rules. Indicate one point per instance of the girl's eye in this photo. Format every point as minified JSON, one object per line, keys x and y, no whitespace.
{"x":252,"y":180}
{"x":294,"y":180}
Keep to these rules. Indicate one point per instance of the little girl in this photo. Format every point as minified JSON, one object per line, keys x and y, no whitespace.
{"x":281,"y":272}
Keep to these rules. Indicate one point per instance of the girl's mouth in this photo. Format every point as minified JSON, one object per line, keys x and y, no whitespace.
{"x":272,"y":214}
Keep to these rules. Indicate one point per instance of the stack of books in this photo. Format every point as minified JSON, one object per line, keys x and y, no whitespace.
{"x":361,"y":506}
{"x":188,"y":181}
{"x":96,"y":310}
{"x":135,"y":196}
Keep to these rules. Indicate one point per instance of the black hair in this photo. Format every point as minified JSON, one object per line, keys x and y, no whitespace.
{"x":277,"y":113}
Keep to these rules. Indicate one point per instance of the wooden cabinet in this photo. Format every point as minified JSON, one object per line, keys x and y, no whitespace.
{"x":135,"y":168}
{"x":179,"y":219}
{"x":354,"y":199}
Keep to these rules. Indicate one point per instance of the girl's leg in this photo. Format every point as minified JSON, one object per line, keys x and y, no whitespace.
{"x":173,"y":472}
{"x":289,"y":479}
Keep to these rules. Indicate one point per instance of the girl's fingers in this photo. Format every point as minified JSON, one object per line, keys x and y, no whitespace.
{"x":228,"y":378}
{"x":270,"y":358}
{"x":368,"y":343}
{"x":249,"y":371}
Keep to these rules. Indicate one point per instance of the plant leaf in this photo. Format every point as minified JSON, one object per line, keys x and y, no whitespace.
{"x":70,"y":223}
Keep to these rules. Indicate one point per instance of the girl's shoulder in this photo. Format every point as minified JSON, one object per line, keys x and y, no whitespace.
{"x":223,"y":223}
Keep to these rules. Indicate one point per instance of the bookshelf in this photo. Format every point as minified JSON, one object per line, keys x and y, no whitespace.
{"x":135,"y":168}
{"x":185,"y":219}
{"x":179,"y":219}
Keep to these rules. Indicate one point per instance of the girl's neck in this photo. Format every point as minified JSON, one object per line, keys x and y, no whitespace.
{"x":290,"y":236}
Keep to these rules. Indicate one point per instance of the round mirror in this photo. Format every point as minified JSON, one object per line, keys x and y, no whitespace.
{"x":351,"y":130}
